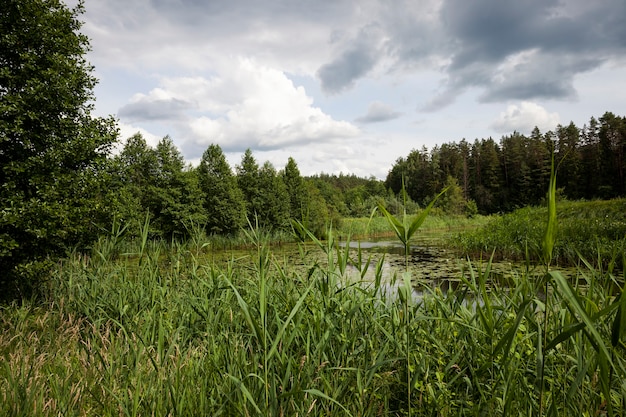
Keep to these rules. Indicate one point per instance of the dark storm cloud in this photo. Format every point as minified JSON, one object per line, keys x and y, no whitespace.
{"x":161,"y":109}
{"x":529,"y":49}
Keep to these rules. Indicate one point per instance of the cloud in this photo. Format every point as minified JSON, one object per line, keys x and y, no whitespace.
{"x":378,"y":112}
{"x":245,"y":105}
{"x":524,"y":118}
{"x":359,"y":58}
{"x":340,"y":42}
{"x":529,"y":50}
{"x":222,"y":71}
{"x":148,"y":107}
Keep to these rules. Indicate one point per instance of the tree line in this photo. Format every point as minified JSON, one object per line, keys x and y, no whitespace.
{"x":61,"y":187}
{"x":514,"y":172}
{"x":155,"y":182}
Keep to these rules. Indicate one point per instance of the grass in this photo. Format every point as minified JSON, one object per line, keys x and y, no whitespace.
{"x":166,"y":331}
{"x":592,"y":230}
{"x":436,"y":225}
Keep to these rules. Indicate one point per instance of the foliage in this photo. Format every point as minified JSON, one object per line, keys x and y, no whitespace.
{"x":223,"y":200}
{"x":51,"y":148}
{"x":175,"y":194}
{"x":514,"y":172}
{"x":182,"y":330}
{"x":294,"y":184}
{"x":275,"y":202}
{"x":452,"y":202}
{"x":404,"y":229}
{"x":591,"y":229}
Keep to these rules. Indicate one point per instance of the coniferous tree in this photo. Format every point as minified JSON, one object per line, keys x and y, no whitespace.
{"x":136,"y":172}
{"x":175,"y":199}
{"x":569,"y":157}
{"x":248,"y":182}
{"x":612,"y":155}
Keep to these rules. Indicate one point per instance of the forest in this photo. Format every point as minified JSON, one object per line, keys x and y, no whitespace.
{"x":514,"y":172}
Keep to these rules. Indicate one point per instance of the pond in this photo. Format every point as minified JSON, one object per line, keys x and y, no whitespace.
{"x":429,"y":265}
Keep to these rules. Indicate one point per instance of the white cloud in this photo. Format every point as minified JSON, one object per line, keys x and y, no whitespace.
{"x":244,"y":105}
{"x":128,"y":130}
{"x":524,"y":118}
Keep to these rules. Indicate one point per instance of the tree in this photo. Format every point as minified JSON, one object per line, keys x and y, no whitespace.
{"x":273,"y":212}
{"x":223,"y":200}
{"x":295,"y":189}
{"x":51,"y":148}
{"x":569,"y":158}
{"x":248,"y":182}
{"x":135,"y":171}
{"x":175,"y":199}
{"x":452,"y":202}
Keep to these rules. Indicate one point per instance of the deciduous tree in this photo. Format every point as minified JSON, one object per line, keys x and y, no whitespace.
{"x":51,"y":148}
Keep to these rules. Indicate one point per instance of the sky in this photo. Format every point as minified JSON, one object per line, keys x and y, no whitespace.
{"x":350,"y":86}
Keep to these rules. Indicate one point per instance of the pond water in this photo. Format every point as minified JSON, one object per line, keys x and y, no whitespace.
{"x":429,"y":264}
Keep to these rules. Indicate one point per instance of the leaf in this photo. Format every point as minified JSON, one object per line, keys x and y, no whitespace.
{"x":246,"y":393}
{"x":618,"y":329}
{"x":294,"y":311}
{"x":415,"y":224}
{"x":246,"y":313}
{"x":320,"y":394}
{"x":395,"y":224}
{"x":575,"y":306}
{"x":550,"y":234}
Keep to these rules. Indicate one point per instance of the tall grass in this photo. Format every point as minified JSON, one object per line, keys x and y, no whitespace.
{"x":594,"y":230}
{"x":164,"y":330}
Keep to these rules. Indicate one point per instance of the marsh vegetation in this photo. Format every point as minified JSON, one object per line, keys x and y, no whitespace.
{"x":327,"y":327}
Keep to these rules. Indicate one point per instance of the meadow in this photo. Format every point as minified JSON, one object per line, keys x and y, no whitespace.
{"x":146,"y":327}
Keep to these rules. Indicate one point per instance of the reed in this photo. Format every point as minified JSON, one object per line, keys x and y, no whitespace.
{"x":168,"y":329}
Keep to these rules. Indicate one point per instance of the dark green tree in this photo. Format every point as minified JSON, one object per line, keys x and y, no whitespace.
{"x":273,"y":211}
{"x":517,"y":180}
{"x":612,"y":172}
{"x":248,"y":182}
{"x":317,"y":215}
{"x":136,"y":171}
{"x":175,"y":199}
{"x":295,"y":189}
{"x":224,"y":204}
{"x":452,"y":202}
{"x":570,"y":162}
{"x":591,"y":159}
{"x":51,"y":148}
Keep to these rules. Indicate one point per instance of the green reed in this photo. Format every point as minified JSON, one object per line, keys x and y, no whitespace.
{"x":172,"y":329}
